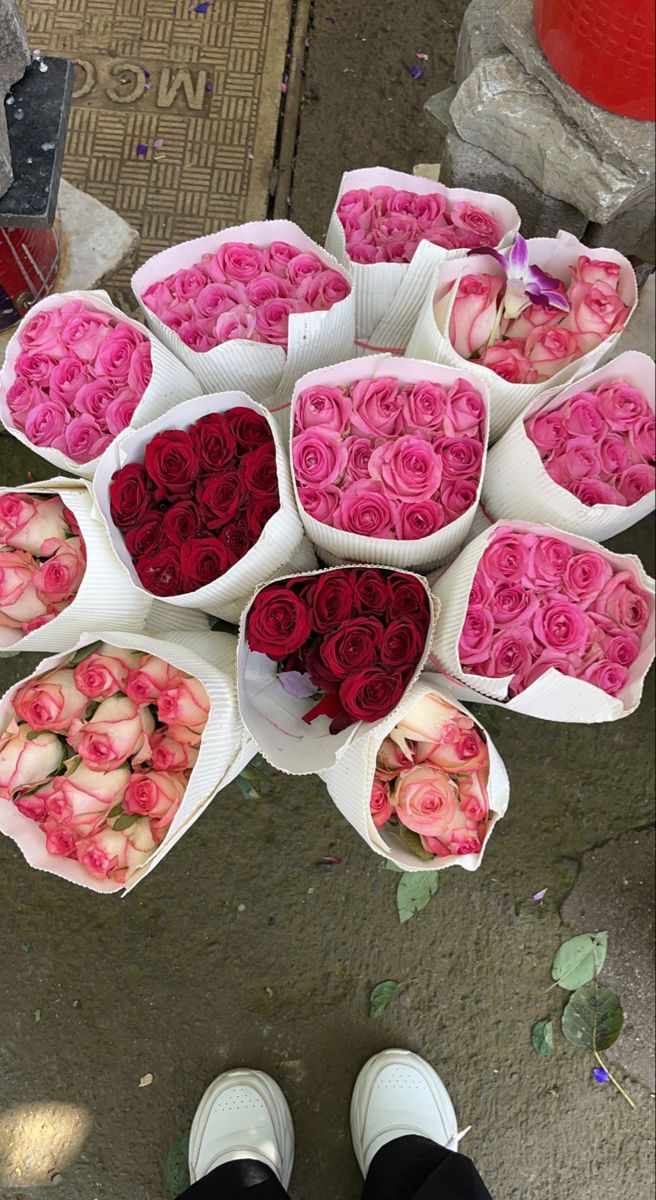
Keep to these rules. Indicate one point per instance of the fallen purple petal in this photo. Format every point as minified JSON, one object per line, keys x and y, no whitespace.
{"x":331,"y":861}
{"x":601,"y":1075}
{"x":417,"y":72}
{"x":297,"y":684}
{"x":284,"y":85}
{"x":142,"y":149}
{"x":158,"y":143}
{"x":541,"y":895}
{"x":421,"y":56}
{"x":201,"y":8}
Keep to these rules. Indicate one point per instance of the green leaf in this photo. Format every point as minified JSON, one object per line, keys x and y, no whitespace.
{"x":125,"y":821}
{"x":83,"y":653}
{"x":115,"y":811}
{"x":593,"y":1017}
{"x":37,"y":1014}
{"x":176,"y":1166}
{"x":391,"y":866}
{"x":247,"y":789}
{"x":579,"y":960}
{"x":414,"y":892}
{"x":542,"y":1037}
{"x":381,"y":996}
{"x":412,"y":842}
{"x":34,"y":733}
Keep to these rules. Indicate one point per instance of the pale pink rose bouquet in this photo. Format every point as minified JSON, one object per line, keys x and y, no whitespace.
{"x":388,"y":456}
{"x":77,"y":373}
{"x":582,"y":457}
{"x":553,"y":624}
{"x":42,"y":562}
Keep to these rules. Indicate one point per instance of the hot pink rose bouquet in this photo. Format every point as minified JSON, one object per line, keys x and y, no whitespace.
{"x":42,"y":562}
{"x":386,"y":224}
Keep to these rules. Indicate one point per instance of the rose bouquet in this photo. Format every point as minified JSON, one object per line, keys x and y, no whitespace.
{"x":199,"y":504}
{"x":391,"y":229}
{"x":426,"y":787}
{"x":108,"y":754}
{"x":537,"y":315}
{"x":253,"y":307}
{"x":78,"y":372}
{"x":388,"y":458}
{"x":547,"y":623}
{"x":57,"y":569}
{"x":582,"y":457}
{"x":322,"y":656}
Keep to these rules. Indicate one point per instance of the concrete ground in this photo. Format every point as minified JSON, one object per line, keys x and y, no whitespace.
{"x":243,"y":947}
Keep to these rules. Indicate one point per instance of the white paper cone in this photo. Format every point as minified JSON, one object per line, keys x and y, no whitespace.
{"x":225,"y":748}
{"x":508,"y":400}
{"x":267,"y":373}
{"x":104,"y":594}
{"x":388,"y":296}
{"x":273,"y":717}
{"x":280,"y":538}
{"x":517,"y":484}
{"x":350,"y":782}
{"x":170,"y":381}
{"x":553,"y":697}
{"x":423,"y":554}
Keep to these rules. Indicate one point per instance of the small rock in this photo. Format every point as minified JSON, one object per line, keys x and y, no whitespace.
{"x":146,"y":1080}
{"x":478,"y":37}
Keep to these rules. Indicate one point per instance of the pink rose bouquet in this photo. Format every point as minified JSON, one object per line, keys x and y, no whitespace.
{"x":388,"y":456}
{"x":42,"y":562}
{"x":386,"y":224}
{"x":543,"y":606}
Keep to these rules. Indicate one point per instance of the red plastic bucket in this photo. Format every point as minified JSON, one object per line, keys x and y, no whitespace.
{"x":604,"y":49}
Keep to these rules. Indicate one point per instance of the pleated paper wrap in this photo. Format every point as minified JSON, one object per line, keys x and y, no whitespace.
{"x":273,"y":717}
{"x":104,"y":595}
{"x":430,"y":338}
{"x":388,"y":296}
{"x":170,"y":381}
{"x":337,"y":546}
{"x":553,"y":697}
{"x":266,"y":372}
{"x":350,"y":782}
{"x":225,"y":748}
{"x":281,"y":543}
{"x":517,"y":483}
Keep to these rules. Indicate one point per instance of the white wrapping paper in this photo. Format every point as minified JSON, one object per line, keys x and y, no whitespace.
{"x":273,"y":717}
{"x":423,"y":554}
{"x":225,"y":748}
{"x":553,"y":697}
{"x":170,"y":381}
{"x":517,"y":483}
{"x":508,"y":400}
{"x":104,"y":595}
{"x":388,"y":296}
{"x":350,"y":782}
{"x":280,"y":543}
{"x":266,"y":372}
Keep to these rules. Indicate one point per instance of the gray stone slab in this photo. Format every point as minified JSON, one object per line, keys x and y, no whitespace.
{"x":615,"y":891}
{"x":508,"y":112}
{"x":6,"y":173}
{"x":478,"y":37}
{"x":631,"y":232}
{"x":465,"y":165}
{"x":14,"y":48}
{"x":37,"y":139}
{"x":439,"y":108}
{"x":640,"y":333}
{"x":619,"y":140}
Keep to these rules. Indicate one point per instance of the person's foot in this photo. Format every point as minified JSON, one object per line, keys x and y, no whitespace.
{"x":396,"y":1095}
{"x":243,"y":1114}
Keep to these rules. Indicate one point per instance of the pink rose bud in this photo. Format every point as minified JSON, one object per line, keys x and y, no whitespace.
{"x":174,"y":748}
{"x":325,"y":289}
{"x":41,"y":332}
{"x":304,"y":266}
{"x":546,"y":562}
{"x":277,"y":257}
{"x":532,"y":317}
{"x":474,"y":313}
{"x":425,"y":800}
{"x":461,"y":457}
{"x":379,"y":804}
{"x":319,"y":457}
{"x":238,"y":323}
{"x":582,"y":418}
{"x":117,"y":731}
{"x":365,"y":510}
{"x":217,"y":298}
{"x":580,"y":458}
{"x":468,"y":753}
{"x":188,"y":282}
{"x":82,"y":800}
{"x":636,"y":481}
{"x":200,"y":337}
{"x":61,"y":842}
{"x":610,"y":677}
{"x":562,"y":626}
{"x":158,"y":297}
{"x":642,"y":436}
{"x":596,"y":311}
{"x":68,"y":377}
{"x":512,"y":653}
{"x":475,"y":642}
{"x":272,"y":320}
{"x":624,"y":603}
{"x":60,"y":576}
{"x":104,"y":672}
{"x":424,"y":406}
{"x":240,"y":262}
{"x":512,"y":604}
{"x":35,"y":368}
{"x":584,"y":577}
{"x":507,"y":359}
{"x":27,"y":521}
{"x":418,"y":519}
{"x":141,"y":368}
{"x":21,"y":398}
{"x":83,"y":333}
{"x":18,"y":599}
{"x":549,"y":349}
{"x":50,"y":701}
{"x":486,"y":229}
{"x":506,"y":558}
{"x":148,"y":680}
{"x":359,"y":451}
{"x":110,"y":854}
{"x":46,"y":422}
{"x":155,"y":795}
{"x":322,"y":405}
{"x":621,"y":405}
{"x":121,"y":411}
{"x":546,"y":430}
{"x":184,"y":702}
{"x":377,"y":406}
{"x":465,"y":411}
{"x":408,"y":468}
{"x":474,"y":799}
{"x":320,"y":502}
{"x":25,"y":764}
{"x":594,"y":491}
{"x":593,"y":270}
{"x":457,"y":497}
{"x":93,"y":399}
{"x":85,"y":439}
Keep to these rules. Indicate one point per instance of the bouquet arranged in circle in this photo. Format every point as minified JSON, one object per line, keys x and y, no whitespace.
{"x":42,"y":562}
{"x":386,"y":224}
{"x":198,"y":501}
{"x":98,"y":753}
{"x":430,"y":786}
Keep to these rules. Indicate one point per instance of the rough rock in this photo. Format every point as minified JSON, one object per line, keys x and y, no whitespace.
{"x":621,"y":141}
{"x":640,"y":333}
{"x":615,"y":891}
{"x":464,"y":165}
{"x":631,"y":232}
{"x":439,"y":108}
{"x":6,"y":173}
{"x":508,"y":112}
{"x":478,"y":37}
{"x":14,"y":58}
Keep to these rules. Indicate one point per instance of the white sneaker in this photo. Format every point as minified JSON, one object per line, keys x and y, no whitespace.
{"x":397,"y":1094}
{"x":243,"y":1114}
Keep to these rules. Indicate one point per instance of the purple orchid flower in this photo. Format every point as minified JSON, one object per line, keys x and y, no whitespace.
{"x":526,"y":284}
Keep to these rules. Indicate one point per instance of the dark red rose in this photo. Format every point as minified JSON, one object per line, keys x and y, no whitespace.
{"x":181,"y":521}
{"x":219,"y":497}
{"x":258,"y":471}
{"x":71,"y":521}
{"x":409,"y":597}
{"x":403,"y":644}
{"x":371,"y":693}
{"x":171,"y":462}
{"x":203,"y":560}
{"x":371,"y":592}
{"x":354,"y":646}
{"x":314,"y":666}
{"x":130,"y":495}
{"x":160,"y":573}
{"x":214,"y":441}
{"x":259,"y":511}
{"x":330,"y":597}
{"x":278,"y":622}
{"x":144,"y":538}
{"x":237,"y":539}
{"x":250,"y":428}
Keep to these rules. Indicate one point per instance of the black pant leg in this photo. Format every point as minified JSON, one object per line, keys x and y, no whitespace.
{"x":244,"y":1179}
{"x":414,"y":1168}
